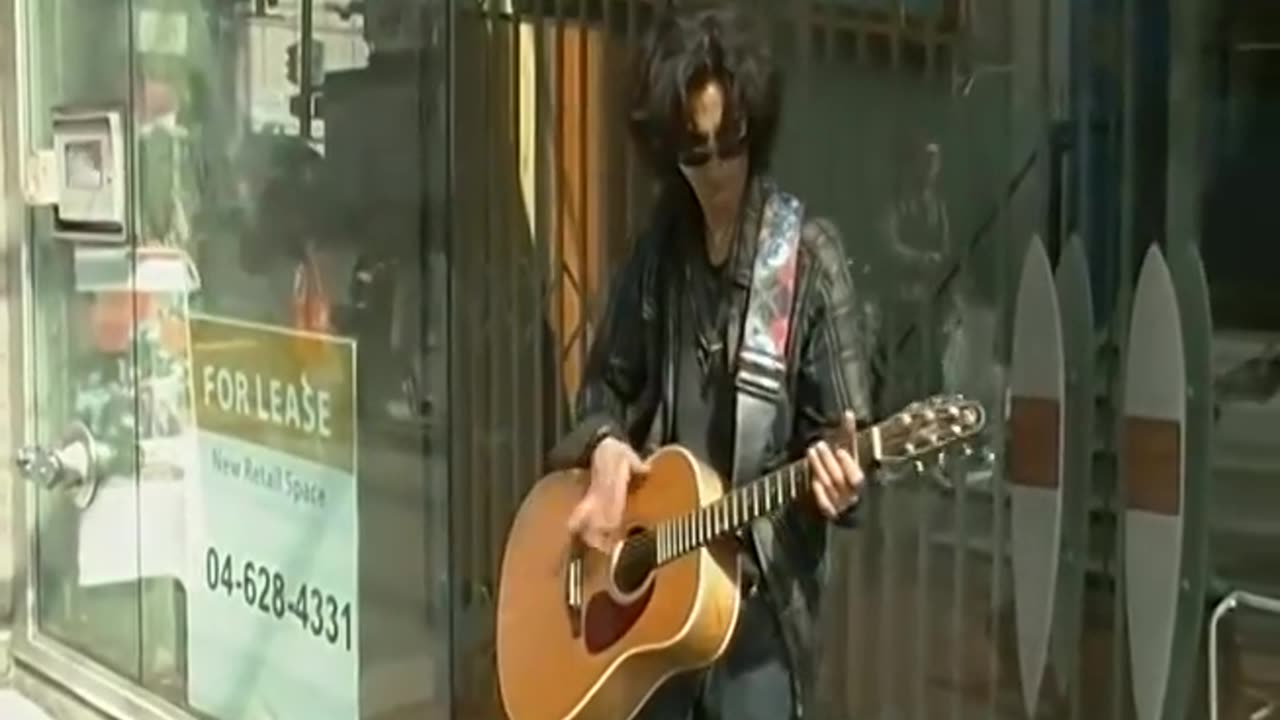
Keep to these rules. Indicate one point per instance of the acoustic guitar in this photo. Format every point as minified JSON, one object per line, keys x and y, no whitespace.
{"x":585,"y":635}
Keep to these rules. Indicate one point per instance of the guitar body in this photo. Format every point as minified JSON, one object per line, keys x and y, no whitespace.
{"x":603,"y":661}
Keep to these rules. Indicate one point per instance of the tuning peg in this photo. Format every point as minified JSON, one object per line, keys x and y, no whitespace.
{"x":919,"y":467}
{"x":942,"y":459}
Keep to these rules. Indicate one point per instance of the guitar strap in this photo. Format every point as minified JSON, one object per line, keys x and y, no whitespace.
{"x":761,"y":369}
{"x":760,"y":381}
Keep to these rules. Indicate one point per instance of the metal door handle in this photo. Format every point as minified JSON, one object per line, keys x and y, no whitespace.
{"x":75,"y":466}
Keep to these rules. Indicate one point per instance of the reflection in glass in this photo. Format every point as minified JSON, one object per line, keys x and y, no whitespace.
{"x":920,"y":312}
{"x":919,"y":612}
{"x":86,"y":566}
{"x":334,"y":230}
{"x":1236,"y":212}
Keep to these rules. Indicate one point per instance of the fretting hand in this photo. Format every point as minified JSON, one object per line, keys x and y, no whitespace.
{"x":835,"y":473}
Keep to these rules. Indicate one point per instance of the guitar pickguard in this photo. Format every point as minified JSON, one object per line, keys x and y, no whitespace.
{"x":606,"y":621}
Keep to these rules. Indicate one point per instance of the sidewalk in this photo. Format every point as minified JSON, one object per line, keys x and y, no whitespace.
{"x":15,"y":707}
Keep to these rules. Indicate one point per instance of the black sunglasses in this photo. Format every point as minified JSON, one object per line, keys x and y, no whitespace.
{"x":698,"y":151}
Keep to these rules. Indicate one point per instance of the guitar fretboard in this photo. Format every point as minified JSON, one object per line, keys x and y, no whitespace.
{"x":739,"y":507}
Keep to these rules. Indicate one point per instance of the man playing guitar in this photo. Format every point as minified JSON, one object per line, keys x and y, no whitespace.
{"x":704,"y":113}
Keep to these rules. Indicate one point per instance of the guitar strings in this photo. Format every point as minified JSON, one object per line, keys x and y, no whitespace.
{"x":645,"y":541}
{"x":638,"y":551}
{"x":639,"y":548}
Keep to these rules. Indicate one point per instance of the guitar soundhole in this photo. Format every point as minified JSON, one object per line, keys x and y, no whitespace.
{"x":606,"y":620}
{"x":635,"y":562}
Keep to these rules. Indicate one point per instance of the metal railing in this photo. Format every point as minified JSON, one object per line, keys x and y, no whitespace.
{"x":1234,"y":600}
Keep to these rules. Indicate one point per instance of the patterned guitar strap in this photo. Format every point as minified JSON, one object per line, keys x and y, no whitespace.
{"x":760,"y":379}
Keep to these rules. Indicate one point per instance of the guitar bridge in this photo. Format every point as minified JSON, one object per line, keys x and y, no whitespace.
{"x":573,"y":600}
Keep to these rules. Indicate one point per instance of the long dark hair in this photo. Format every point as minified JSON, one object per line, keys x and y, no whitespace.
{"x":688,"y":47}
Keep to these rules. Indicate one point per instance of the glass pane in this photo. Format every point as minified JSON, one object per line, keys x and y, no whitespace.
{"x":262,"y":364}
{"x":910,"y":153}
{"x":290,"y":150}
{"x":1223,"y":150}
{"x":85,"y":355}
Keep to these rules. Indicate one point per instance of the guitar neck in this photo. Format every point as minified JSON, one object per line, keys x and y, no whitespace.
{"x":744,"y":504}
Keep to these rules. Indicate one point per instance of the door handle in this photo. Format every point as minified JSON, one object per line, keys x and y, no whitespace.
{"x":76,"y":466}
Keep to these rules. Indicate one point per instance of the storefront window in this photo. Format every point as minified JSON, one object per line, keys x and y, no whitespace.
{"x":901,"y":138}
{"x":1222,"y":149}
{"x":260,"y":529}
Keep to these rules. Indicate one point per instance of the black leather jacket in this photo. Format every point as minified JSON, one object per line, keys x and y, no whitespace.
{"x":628,"y":385}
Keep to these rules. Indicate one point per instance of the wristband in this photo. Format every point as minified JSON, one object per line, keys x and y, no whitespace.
{"x":601,"y":434}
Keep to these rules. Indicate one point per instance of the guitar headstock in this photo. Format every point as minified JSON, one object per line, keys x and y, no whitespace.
{"x":927,"y":426}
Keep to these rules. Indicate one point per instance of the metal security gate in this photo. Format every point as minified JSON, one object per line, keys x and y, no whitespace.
{"x":536,"y":232}
{"x":548,"y":193}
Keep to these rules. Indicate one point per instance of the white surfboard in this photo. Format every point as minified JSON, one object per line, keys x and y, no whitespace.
{"x":1152,"y":467}
{"x":1036,"y":387}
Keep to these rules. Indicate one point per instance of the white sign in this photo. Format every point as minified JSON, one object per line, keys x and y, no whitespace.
{"x":273,"y":573}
